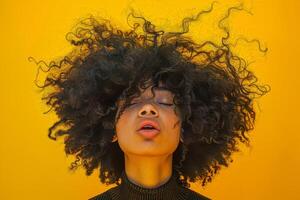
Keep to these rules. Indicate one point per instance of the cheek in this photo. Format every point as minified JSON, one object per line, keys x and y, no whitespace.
{"x":171,"y":137}
{"x":124,"y":131}
{"x":124,"y":124}
{"x":172,"y":120}
{"x":126,"y":127}
{"x":172,"y":127}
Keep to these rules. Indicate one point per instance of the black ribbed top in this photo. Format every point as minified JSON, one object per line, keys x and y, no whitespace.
{"x":128,"y":190}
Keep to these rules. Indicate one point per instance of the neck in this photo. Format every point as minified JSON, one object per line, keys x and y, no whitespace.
{"x":148,"y":171}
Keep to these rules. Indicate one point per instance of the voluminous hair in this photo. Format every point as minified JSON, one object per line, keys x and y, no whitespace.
{"x":213,"y":88}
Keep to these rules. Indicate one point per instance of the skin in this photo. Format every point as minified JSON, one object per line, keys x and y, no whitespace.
{"x":148,"y":162}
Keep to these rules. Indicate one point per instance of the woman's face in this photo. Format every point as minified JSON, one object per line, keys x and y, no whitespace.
{"x":147,"y":107}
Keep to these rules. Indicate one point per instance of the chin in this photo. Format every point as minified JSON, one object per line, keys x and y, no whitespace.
{"x":150,"y":150}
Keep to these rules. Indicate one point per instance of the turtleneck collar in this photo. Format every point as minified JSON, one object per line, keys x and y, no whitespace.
{"x":168,"y":190}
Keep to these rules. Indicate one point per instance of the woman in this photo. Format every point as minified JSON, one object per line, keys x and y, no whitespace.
{"x":151,"y":110}
{"x":148,"y":132}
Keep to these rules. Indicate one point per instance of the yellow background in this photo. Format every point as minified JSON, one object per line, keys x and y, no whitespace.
{"x":35,"y":167}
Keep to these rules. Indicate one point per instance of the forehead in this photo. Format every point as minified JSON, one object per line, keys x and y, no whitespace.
{"x":158,"y":90}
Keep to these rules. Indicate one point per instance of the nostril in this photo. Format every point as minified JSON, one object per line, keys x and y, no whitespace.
{"x":144,"y":112}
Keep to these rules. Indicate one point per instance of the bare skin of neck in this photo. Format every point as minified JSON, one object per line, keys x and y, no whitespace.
{"x":150,"y":171}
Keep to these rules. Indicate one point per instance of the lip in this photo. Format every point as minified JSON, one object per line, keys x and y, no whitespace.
{"x":149,"y":122}
{"x":149,"y":133}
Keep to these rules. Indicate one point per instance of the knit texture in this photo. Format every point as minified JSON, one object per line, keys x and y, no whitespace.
{"x":170,"y":190}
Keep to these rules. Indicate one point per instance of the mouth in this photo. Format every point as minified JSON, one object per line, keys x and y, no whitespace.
{"x":149,"y":129}
{"x":148,"y":133}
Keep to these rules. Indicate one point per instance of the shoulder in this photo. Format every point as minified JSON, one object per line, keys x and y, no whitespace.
{"x":193,"y":195}
{"x":105,"y":195}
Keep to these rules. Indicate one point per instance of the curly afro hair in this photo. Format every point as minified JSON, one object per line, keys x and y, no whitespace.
{"x":213,"y":88}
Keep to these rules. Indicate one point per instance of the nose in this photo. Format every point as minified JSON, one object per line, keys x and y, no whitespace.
{"x":148,"y":110}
